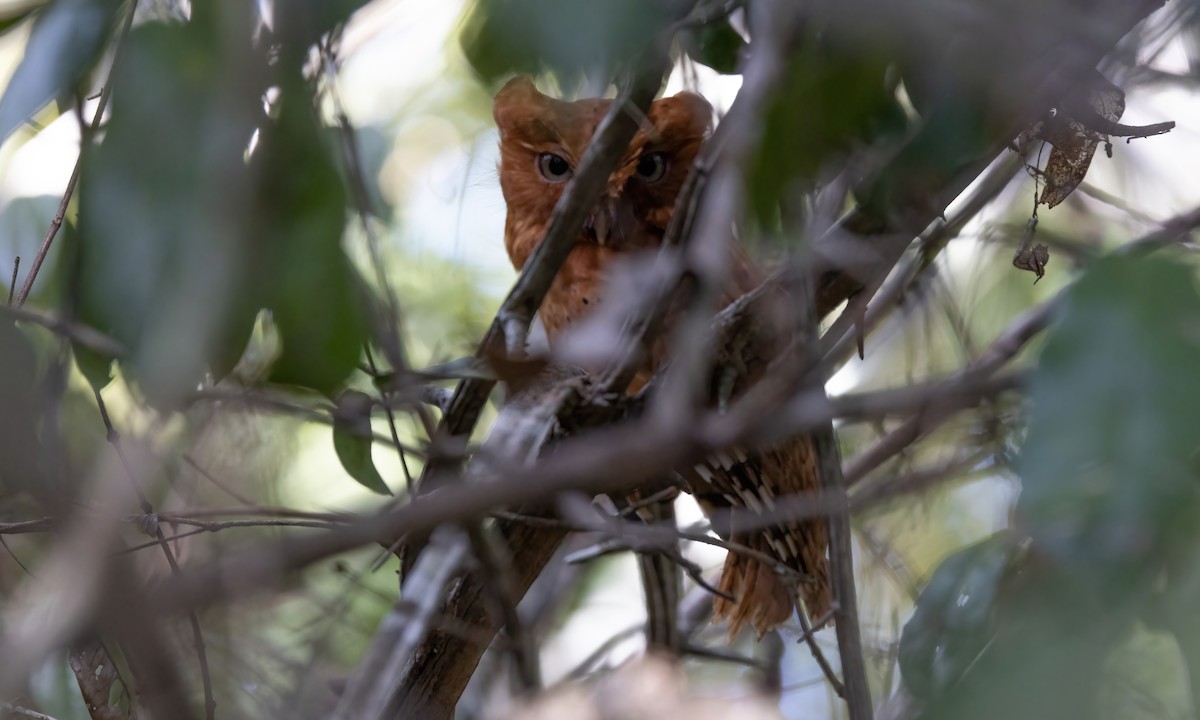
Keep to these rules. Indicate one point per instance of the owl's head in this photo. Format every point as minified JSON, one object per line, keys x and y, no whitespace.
{"x":543,"y":139}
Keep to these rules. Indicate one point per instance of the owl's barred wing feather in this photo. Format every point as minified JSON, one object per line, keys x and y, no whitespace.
{"x":764,"y":596}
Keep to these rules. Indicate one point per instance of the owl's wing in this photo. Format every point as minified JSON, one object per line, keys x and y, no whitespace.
{"x":765,"y":595}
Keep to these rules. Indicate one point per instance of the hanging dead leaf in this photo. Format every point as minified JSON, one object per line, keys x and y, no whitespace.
{"x":1072,"y":132}
{"x":1033,"y":259}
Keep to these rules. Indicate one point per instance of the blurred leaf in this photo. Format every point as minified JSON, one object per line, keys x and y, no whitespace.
{"x":302,"y":23}
{"x":718,"y":46}
{"x":228,"y":348}
{"x":167,"y":256}
{"x":955,"y":616}
{"x":20,"y":412}
{"x":1045,"y":658}
{"x":316,"y":299}
{"x":95,"y":367}
{"x":65,"y":42}
{"x":569,"y":37}
{"x":1108,"y":498}
{"x":23,"y":223}
{"x":352,"y":440}
{"x":1105,"y":467}
{"x":14,"y":15}
{"x":371,"y":147}
{"x":831,"y":102}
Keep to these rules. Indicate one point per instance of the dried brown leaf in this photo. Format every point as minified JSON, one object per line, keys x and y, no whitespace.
{"x":1033,"y":259}
{"x":1074,"y":142}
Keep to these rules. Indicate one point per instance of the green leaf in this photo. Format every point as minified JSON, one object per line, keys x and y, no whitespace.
{"x":1106,"y":466}
{"x":954,"y":617}
{"x":65,"y":42}
{"x":1043,"y":659}
{"x":352,"y":440}
{"x":832,"y":101}
{"x":168,"y":255}
{"x":23,"y":223}
{"x":1109,"y":500}
{"x":13,"y":16}
{"x":718,"y":46}
{"x":20,"y":412}
{"x":569,"y":37}
{"x":302,"y":23}
{"x":315,"y":295}
{"x":95,"y":367}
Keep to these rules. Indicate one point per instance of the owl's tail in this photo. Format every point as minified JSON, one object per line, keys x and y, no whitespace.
{"x":764,"y":598}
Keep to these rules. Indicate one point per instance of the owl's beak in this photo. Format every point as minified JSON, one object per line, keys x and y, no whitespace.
{"x":611,"y":222}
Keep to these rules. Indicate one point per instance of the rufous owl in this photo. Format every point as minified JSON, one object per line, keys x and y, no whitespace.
{"x":542,"y":139}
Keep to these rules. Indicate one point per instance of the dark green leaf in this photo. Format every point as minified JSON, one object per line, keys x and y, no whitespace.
{"x":718,"y":46}
{"x":352,"y":440}
{"x":20,"y":412}
{"x":1044,"y":658}
{"x":95,"y":367}
{"x":302,"y":23}
{"x":1108,"y":499}
{"x":65,"y":42}
{"x":13,"y":16}
{"x":314,"y":293}
{"x":1108,"y":489}
{"x":831,"y":102}
{"x":954,"y":617}
{"x":167,"y":244}
{"x":569,"y":37}
{"x":23,"y":223}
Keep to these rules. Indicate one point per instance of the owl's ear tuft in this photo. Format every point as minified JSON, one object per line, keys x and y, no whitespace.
{"x":516,"y":102}
{"x":684,"y":113}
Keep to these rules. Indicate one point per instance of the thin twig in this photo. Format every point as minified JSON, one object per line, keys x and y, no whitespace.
{"x":114,"y":439}
{"x":27,"y":526}
{"x":12,"y":284}
{"x":86,"y":336}
{"x":321,"y":412}
{"x":807,"y":637}
{"x":393,"y":345}
{"x":616,"y":459}
{"x":18,"y":711}
{"x":391,"y":418}
{"x":14,"y":557}
{"x":585,"y":666}
{"x":187,"y":458}
{"x":61,"y":213}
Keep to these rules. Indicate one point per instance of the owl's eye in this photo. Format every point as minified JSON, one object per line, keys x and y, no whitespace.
{"x":652,"y":167}
{"x":553,"y":167}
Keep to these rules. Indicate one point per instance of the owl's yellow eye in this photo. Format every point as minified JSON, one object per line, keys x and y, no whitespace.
{"x":553,"y":167}
{"x":652,"y":167}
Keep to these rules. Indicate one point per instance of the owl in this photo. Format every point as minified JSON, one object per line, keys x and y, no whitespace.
{"x":542,"y":140}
